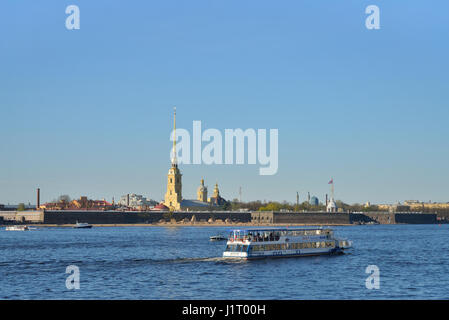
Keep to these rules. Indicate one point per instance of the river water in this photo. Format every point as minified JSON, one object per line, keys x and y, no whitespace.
{"x":181,"y":263}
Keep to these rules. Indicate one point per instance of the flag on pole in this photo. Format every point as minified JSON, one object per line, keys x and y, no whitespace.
{"x":332,"y":181}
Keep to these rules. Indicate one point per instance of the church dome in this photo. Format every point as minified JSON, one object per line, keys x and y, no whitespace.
{"x":314,"y":201}
{"x":202,"y":188}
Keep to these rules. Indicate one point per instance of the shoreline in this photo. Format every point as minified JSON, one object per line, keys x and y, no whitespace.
{"x":196,"y":224}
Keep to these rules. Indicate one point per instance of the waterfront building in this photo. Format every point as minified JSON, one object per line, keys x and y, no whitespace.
{"x":415,"y":206}
{"x":331,"y":206}
{"x":82,"y":203}
{"x":135,"y":201}
{"x":160,"y":207}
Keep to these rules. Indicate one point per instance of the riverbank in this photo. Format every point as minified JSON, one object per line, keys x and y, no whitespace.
{"x":212,"y":218}
{"x":196,"y":224}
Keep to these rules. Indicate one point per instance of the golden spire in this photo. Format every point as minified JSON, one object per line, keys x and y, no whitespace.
{"x":174,"y":160}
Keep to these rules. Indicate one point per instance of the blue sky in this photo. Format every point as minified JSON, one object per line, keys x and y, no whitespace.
{"x":89,"y":111}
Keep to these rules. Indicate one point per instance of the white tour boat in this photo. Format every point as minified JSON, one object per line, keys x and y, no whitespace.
{"x":17,"y":228}
{"x":283,"y":242}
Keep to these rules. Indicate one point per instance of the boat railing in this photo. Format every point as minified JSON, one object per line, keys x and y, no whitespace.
{"x":274,"y":235}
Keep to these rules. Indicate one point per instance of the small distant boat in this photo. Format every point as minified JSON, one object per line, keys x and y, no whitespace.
{"x":218,"y":237}
{"x":82,"y":225}
{"x":17,"y":228}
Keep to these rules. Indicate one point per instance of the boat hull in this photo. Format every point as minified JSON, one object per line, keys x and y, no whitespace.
{"x":17,"y":228}
{"x":290,"y":254}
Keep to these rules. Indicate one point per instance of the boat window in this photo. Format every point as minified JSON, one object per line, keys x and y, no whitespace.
{"x":244,"y":248}
{"x":238,"y":248}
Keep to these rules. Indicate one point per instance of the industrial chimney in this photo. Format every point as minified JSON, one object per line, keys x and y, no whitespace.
{"x":38,"y":203}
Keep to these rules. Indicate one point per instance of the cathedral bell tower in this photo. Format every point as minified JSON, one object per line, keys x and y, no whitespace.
{"x":202,"y":192}
{"x":173,"y":196}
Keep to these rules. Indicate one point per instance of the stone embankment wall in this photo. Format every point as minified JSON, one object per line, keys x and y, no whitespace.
{"x":299,"y":218}
{"x":117,"y":217}
{"x":342,"y":218}
{"x":393,"y":218}
{"x":372,"y":217}
{"x":22,"y":216}
{"x":134,"y":217}
{"x":415,"y":218}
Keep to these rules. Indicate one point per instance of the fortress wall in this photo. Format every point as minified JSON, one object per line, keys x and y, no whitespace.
{"x":416,"y":218}
{"x":300,"y":218}
{"x":312,"y":218}
{"x":443,"y":217}
{"x":393,"y":218}
{"x":100,"y":217}
{"x":117,"y":217}
{"x":244,"y":217}
{"x":377,"y":217}
{"x":22,"y":216}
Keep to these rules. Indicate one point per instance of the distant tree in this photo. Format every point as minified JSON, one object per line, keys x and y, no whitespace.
{"x":64,"y":198}
{"x":227,"y":206}
{"x":21,"y":207}
{"x":271,"y":206}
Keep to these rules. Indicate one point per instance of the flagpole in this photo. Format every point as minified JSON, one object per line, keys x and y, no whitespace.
{"x":332,"y":188}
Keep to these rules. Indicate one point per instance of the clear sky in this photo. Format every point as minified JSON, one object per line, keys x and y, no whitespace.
{"x":89,"y":111}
